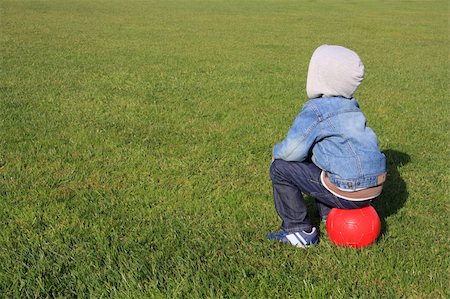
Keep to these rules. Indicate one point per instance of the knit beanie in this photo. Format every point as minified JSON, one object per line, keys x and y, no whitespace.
{"x":334,"y":71}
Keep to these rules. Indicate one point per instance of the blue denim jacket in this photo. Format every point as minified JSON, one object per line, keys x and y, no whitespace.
{"x":332,"y":132}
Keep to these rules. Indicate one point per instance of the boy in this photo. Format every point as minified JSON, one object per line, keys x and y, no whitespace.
{"x":328,"y":153}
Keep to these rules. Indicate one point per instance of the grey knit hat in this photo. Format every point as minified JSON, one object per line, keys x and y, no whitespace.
{"x":334,"y":71}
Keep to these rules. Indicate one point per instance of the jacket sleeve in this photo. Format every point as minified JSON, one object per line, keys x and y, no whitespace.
{"x":300,"y":138}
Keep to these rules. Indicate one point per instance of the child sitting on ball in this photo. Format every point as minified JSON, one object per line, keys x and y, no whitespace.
{"x":329,"y":153}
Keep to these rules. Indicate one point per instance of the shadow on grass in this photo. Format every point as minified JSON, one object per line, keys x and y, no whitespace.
{"x":395,"y":192}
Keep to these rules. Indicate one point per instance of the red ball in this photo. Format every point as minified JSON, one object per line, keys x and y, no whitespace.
{"x":355,"y":228}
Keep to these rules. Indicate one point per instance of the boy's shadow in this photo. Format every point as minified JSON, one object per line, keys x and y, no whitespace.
{"x":394,"y":193}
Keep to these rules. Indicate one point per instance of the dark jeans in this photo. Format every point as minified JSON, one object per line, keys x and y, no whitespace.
{"x":289,"y":180}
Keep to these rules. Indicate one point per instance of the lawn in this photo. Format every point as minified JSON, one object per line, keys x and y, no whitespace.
{"x":136,"y":137}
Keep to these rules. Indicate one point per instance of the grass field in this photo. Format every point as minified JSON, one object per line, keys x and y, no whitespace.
{"x":136,"y":137}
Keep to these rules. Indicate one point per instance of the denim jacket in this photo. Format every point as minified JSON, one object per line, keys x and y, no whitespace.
{"x":332,"y":133}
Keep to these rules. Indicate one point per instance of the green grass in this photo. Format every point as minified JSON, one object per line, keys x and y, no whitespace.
{"x":136,"y":136}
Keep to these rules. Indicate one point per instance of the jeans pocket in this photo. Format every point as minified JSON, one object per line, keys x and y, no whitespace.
{"x":349,"y":204}
{"x":328,"y":199}
{"x":340,"y":203}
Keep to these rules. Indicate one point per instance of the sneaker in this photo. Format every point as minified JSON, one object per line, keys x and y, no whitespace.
{"x":298,"y":239}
